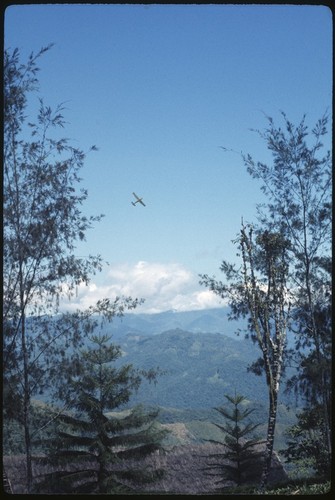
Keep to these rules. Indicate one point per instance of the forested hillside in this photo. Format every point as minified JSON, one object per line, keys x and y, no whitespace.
{"x":199,"y":368}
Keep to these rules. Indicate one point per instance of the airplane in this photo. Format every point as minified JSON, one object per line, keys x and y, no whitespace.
{"x":138,"y":200}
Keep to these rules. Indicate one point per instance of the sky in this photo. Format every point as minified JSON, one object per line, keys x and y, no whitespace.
{"x":160,"y":89}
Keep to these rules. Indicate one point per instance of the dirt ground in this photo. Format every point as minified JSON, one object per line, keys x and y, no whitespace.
{"x":184,"y":466}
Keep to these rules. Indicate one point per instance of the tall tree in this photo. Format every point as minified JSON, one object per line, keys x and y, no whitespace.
{"x":298,"y":185}
{"x":241,"y":461}
{"x":258,"y":290}
{"x":42,"y":224}
{"x":92,"y":450}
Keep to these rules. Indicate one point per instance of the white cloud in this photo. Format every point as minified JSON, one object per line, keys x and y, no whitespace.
{"x":163,"y":286}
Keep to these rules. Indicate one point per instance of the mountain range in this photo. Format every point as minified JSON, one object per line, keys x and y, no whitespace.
{"x":207,"y":320}
{"x":199,"y":352}
{"x":200,"y":359}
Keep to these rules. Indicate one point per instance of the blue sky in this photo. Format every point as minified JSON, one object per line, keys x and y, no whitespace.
{"x":158,"y":89}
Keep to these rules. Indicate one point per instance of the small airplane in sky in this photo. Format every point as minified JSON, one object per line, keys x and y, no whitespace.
{"x":138,"y":200}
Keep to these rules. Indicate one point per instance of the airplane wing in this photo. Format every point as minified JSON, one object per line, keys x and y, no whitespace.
{"x":138,"y":200}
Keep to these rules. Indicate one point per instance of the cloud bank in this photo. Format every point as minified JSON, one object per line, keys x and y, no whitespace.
{"x":163,"y":287}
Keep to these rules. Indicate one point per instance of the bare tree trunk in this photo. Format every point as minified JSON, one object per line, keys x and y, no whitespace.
{"x":26,"y":408}
{"x":273,"y":404}
{"x":26,"y":388}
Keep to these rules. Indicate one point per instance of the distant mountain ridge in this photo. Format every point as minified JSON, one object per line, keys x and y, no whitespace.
{"x":205,"y":320}
{"x":202,"y":356}
{"x":199,"y":321}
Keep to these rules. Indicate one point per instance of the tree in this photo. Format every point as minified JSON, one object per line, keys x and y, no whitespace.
{"x":42,"y":221}
{"x":258,"y":290}
{"x":307,"y":445}
{"x":244,"y":460}
{"x":298,"y":186}
{"x":93,"y":447}
{"x":42,"y":224}
{"x":303,"y":445}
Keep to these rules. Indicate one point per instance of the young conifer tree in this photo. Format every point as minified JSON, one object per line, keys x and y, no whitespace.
{"x":96,"y":451}
{"x":241,"y":460}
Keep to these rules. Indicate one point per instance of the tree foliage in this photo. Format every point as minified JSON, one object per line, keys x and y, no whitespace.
{"x":308,"y":439}
{"x":298,"y":186}
{"x":43,"y":223}
{"x":284,"y":278}
{"x":42,"y":200}
{"x":92,"y":450}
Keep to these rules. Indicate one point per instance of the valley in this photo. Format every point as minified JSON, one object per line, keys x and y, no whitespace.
{"x":202,"y":360}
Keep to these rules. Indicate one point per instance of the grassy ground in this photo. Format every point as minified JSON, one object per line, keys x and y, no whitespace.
{"x":298,"y":487}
